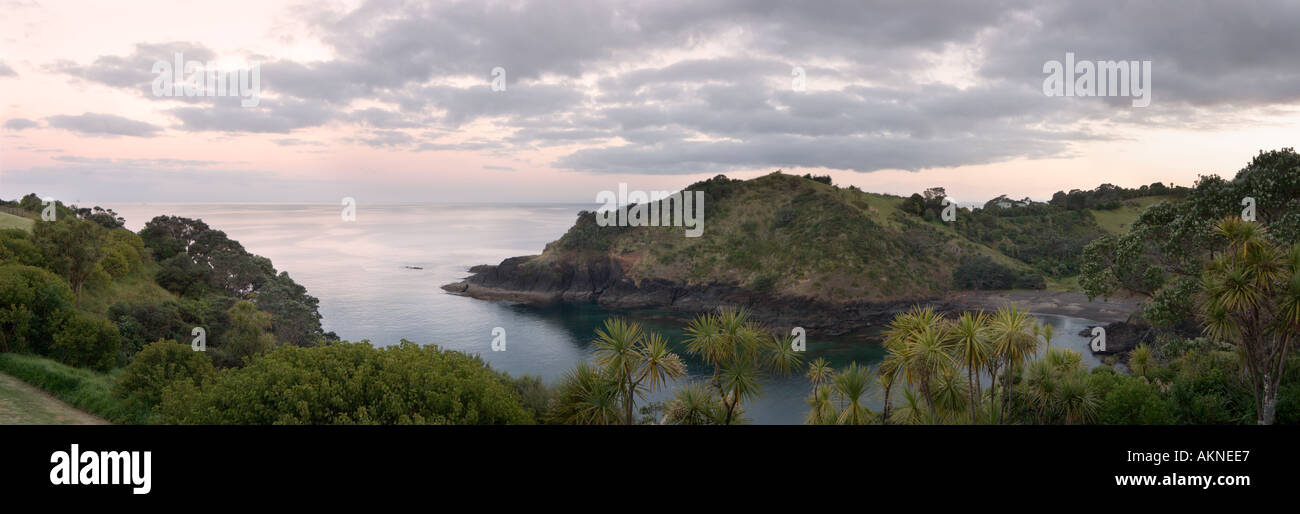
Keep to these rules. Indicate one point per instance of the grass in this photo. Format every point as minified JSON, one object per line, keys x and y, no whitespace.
{"x":10,"y":221}
{"x":87,"y":390}
{"x":1117,"y":221}
{"x":137,"y":287}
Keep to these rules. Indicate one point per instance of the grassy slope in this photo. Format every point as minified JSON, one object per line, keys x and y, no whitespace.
{"x":84,"y":389}
{"x":10,"y":221}
{"x":1117,"y":221}
{"x":24,"y":404}
{"x":136,"y":287}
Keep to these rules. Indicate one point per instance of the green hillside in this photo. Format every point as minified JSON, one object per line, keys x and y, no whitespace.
{"x":10,"y":221}
{"x":802,"y":236}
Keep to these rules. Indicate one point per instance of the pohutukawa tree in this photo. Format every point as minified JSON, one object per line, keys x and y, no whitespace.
{"x":1251,"y":298}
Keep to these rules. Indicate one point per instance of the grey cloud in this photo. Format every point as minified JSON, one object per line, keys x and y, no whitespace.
{"x":20,"y":124}
{"x":270,"y":116}
{"x":94,"y":124}
{"x":6,"y":71}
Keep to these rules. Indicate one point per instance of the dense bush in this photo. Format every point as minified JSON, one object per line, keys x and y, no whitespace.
{"x":983,"y":273}
{"x":350,"y":383}
{"x":1130,"y":400}
{"x":33,"y":305}
{"x":87,"y":341}
{"x":158,"y":365}
{"x":16,"y":247}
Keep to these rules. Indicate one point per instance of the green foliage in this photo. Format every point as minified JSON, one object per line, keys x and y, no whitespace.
{"x":982,"y":273}
{"x":159,"y":365}
{"x":1130,"y":400}
{"x":33,"y":305}
{"x":247,"y":335}
{"x":349,"y":383}
{"x":17,"y":247}
{"x":82,"y":388}
{"x":87,"y":341}
{"x":1110,"y":196}
{"x":1172,"y":241}
{"x":72,"y":248}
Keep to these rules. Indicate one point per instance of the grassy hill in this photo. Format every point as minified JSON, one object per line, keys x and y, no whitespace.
{"x":1117,"y":221}
{"x":789,"y":236}
{"x":10,"y":221}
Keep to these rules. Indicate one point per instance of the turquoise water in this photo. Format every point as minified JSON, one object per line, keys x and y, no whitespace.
{"x":359,"y":272}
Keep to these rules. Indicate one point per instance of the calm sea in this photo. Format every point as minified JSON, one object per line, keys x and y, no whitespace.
{"x":361,"y":272}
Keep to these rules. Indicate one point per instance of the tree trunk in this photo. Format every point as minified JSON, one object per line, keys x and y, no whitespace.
{"x":1268,"y":409}
{"x":970,"y":384}
{"x":884,"y":416}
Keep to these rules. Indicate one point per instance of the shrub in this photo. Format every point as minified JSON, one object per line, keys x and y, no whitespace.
{"x":86,"y":341}
{"x":982,"y":273}
{"x":349,"y":383}
{"x":157,"y":365}
{"x":33,"y":304}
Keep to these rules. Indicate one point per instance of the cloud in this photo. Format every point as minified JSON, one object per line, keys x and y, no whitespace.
{"x":682,"y":86}
{"x":6,"y":71}
{"x":20,"y":124}
{"x":93,"y":124}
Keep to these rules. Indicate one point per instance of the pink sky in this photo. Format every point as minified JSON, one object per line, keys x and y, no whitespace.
{"x":1181,"y":138}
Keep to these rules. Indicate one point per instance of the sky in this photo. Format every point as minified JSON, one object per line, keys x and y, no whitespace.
{"x":387,"y":101}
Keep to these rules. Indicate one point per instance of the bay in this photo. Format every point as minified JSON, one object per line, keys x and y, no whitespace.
{"x":363,"y":273}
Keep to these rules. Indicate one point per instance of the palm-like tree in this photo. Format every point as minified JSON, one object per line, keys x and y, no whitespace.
{"x":1041,"y":383}
{"x":927,"y":352}
{"x":819,"y":372}
{"x":1139,"y":360}
{"x":740,"y":352}
{"x":1251,"y":298}
{"x":693,"y":404}
{"x":638,"y":361}
{"x":974,"y":350}
{"x":919,"y":343}
{"x":1076,"y":401}
{"x":587,"y":395}
{"x":852,"y":387}
{"x":1014,"y":341}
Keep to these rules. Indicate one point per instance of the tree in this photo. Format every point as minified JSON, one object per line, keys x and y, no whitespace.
{"x":1165,"y":250}
{"x":1252,"y":299}
{"x":247,"y":335}
{"x":694,"y":404}
{"x":740,"y":352}
{"x":72,"y":248}
{"x":1015,"y":340}
{"x":973,"y":350}
{"x":851,"y":387}
{"x":920,"y":341}
{"x":587,"y":395}
{"x":637,"y":361}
